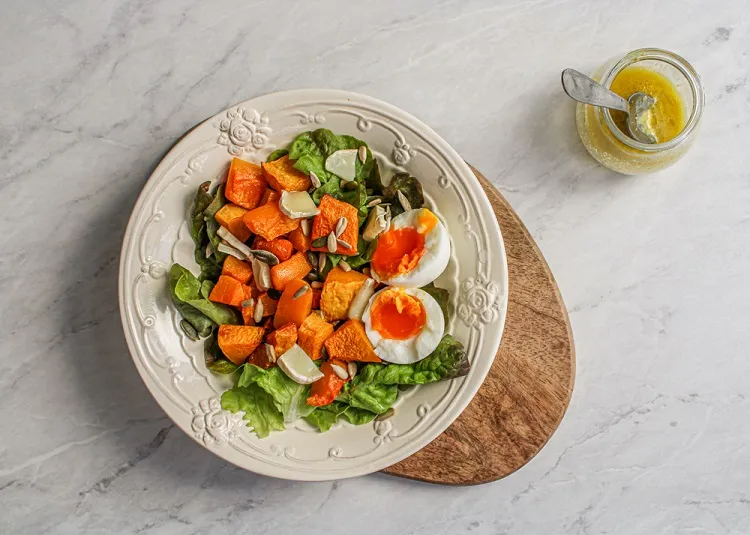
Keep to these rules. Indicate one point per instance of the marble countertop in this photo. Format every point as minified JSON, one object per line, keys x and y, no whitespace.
{"x":654,"y":269}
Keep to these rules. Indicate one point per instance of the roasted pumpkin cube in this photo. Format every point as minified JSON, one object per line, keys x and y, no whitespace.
{"x":282,"y":175}
{"x":331,"y":211}
{"x":246,"y":183}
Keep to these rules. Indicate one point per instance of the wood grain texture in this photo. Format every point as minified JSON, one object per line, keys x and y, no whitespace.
{"x":528,"y":388}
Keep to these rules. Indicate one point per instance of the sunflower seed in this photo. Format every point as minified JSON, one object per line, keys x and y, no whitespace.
{"x":266,"y":257}
{"x":209,"y":250}
{"x":189,"y":330}
{"x":305,"y":224}
{"x":374,"y":202}
{"x":231,"y":251}
{"x":258,"y":312}
{"x":362,"y":153}
{"x":387,"y":414}
{"x":331,"y":244}
{"x":261,"y":274}
{"x":315,"y":180}
{"x":403,"y":201}
{"x":316,"y":285}
{"x":270,"y":353}
{"x":248,"y":302}
{"x":320,"y":242}
{"x":312,"y":276}
{"x":341,"y":372}
{"x":321,"y":262}
{"x":352,"y":368}
{"x":343,"y":264}
{"x":302,"y":290}
{"x":341,"y":226}
{"x":343,"y":244}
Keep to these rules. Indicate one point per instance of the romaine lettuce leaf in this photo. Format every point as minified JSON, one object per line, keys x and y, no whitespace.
{"x":448,"y":361}
{"x":260,"y":411}
{"x":288,"y":397}
{"x":362,"y":393}
{"x":324,"y":417}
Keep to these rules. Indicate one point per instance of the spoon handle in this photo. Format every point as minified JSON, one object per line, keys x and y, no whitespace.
{"x":580,"y":87}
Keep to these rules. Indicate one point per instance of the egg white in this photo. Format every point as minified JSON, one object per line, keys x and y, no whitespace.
{"x":437,"y":253}
{"x":418,"y":346}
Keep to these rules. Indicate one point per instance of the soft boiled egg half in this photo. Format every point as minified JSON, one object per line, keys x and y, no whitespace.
{"x":413,"y":252}
{"x":404,"y":325}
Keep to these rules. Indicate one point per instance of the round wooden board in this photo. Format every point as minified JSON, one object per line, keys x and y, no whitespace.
{"x":528,"y":388}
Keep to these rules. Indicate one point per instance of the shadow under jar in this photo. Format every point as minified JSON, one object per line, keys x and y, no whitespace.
{"x":614,"y":148}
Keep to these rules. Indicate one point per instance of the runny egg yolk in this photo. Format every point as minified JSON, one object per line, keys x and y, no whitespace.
{"x":397,"y":315}
{"x":399,"y":250}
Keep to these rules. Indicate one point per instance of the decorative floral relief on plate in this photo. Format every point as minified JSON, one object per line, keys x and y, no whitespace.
{"x":172,"y":366}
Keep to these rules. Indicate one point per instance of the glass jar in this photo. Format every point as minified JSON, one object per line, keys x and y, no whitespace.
{"x":616,"y":150}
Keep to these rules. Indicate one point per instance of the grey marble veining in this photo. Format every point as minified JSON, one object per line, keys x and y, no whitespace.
{"x":654,"y":269}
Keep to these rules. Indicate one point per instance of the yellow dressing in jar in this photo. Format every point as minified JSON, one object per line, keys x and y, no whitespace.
{"x":666,"y":118}
{"x":673,"y":119}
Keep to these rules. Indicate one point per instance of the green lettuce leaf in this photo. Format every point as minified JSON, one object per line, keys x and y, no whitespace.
{"x":289,"y":398}
{"x":186,"y":289}
{"x":368,"y":395}
{"x":212,"y":226}
{"x":197,"y":225}
{"x":324,"y":417}
{"x":373,"y":181}
{"x":448,"y":361}
{"x":278,"y":153}
{"x":409,"y":186}
{"x":260,"y":411}
{"x":365,"y":250}
{"x":443,"y":298}
{"x":202,"y":323}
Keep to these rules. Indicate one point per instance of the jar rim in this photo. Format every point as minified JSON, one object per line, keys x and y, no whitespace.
{"x":679,"y":63}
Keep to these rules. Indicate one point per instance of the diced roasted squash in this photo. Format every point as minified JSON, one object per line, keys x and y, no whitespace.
{"x":331,"y":211}
{"x":237,"y":269}
{"x":283,"y":338}
{"x":282,"y":175}
{"x":228,"y":290}
{"x":350,"y":342}
{"x":269,"y":221}
{"x":325,"y":389}
{"x":291,"y":309}
{"x":237,"y":342}
{"x":312,"y":334}
{"x":246,"y":183}
{"x":297,"y":267}
{"x":339,"y":290}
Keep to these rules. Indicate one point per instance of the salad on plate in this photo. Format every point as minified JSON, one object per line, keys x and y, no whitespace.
{"x":316,"y":287}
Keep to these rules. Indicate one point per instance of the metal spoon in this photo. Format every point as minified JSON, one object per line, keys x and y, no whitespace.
{"x":580,"y":87}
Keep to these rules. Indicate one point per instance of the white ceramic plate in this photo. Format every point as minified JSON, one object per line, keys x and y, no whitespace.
{"x":172,"y":365}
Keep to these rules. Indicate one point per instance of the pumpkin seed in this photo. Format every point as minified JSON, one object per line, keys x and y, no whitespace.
{"x":274,"y":294}
{"x":315,"y":180}
{"x":403,"y":201}
{"x":348,"y":185}
{"x":312,"y":276}
{"x":248,"y":302}
{"x":312,"y":258}
{"x":321,"y":262}
{"x":270,"y":353}
{"x":342,"y":243}
{"x":362,"y":153}
{"x":316,"y":285}
{"x":305,"y":224}
{"x":341,"y":226}
{"x":205,"y":186}
{"x":343,"y":264}
{"x":374,"y":202}
{"x":352,"y":368}
{"x":258,"y":312}
{"x":341,"y":372}
{"x":302,"y":290}
{"x":332,"y":247}
{"x":266,"y":257}
{"x":320,"y":242}
{"x":189,"y":330}
{"x":387,"y":414}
